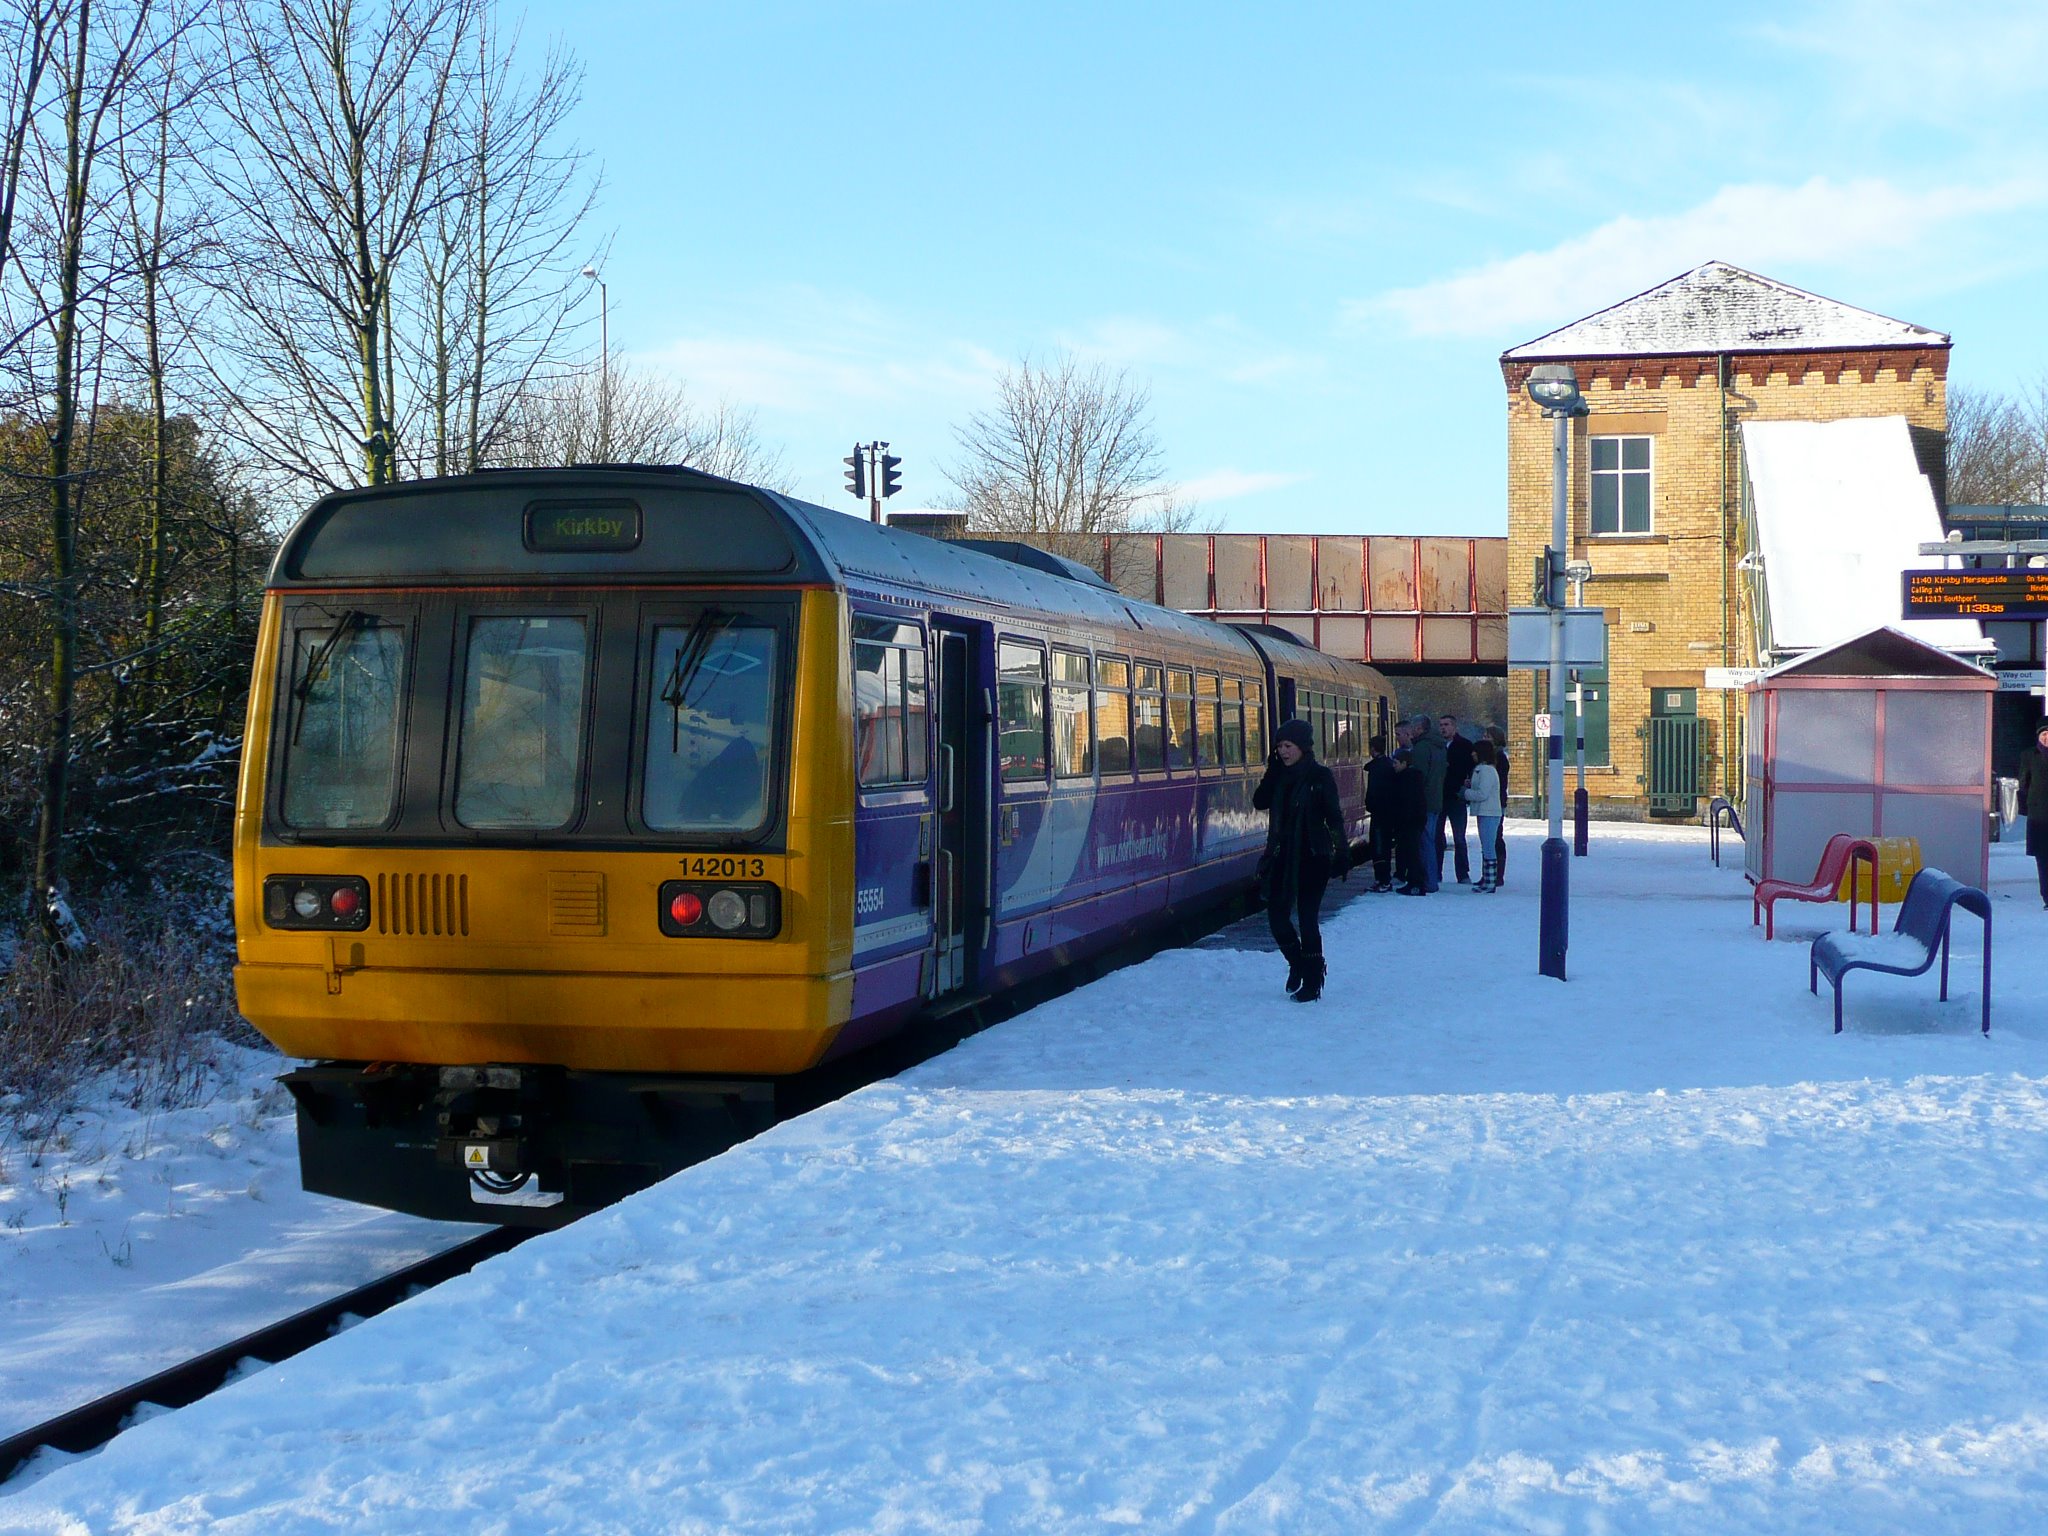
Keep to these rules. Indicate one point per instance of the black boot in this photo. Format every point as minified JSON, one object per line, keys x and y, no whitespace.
{"x":1297,"y":970}
{"x":1313,"y":972}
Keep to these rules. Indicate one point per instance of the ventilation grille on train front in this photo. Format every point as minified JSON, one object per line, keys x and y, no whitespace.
{"x":423,"y":906}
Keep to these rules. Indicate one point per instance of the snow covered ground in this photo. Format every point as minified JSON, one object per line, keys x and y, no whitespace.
{"x":132,"y":1239}
{"x":1456,"y":1249}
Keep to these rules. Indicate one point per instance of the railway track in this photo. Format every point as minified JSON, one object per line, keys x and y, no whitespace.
{"x":92,"y":1426}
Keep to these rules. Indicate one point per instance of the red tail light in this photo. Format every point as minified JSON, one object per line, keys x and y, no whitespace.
{"x":345,"y":902}
{"x":685,"y":909}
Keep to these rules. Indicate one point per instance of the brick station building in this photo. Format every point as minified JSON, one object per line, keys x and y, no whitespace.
{"x":1656,"y":506}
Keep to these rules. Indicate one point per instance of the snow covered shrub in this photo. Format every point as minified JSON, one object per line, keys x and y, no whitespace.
{"x":146,"y":998}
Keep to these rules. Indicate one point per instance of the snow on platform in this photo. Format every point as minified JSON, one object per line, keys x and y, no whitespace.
{"x":1456,"y":1249}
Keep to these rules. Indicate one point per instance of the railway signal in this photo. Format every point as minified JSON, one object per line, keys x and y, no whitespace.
{"x":871,"y":472}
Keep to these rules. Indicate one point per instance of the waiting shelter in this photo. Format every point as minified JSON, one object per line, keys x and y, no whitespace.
{"x":1884,"y":735}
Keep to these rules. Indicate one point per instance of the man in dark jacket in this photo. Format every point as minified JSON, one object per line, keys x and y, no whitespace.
{"x":1450,"y":818}
{"x":1411,"y":824}
{"x":2034,"y":804}
{"x":1381,"y":797}
{"x":1306,"y":843}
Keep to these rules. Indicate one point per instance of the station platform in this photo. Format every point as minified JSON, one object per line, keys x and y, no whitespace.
{"x":1458,"y":1248}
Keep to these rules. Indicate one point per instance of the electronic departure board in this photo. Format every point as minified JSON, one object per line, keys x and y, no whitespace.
{"x":2021,"y":594}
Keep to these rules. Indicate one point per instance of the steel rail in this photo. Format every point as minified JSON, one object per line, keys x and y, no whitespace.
{"x":92,"y":1426}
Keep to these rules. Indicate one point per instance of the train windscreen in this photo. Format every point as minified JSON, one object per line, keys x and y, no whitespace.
{"x":711,"y":724}
{"x":341,"y":747}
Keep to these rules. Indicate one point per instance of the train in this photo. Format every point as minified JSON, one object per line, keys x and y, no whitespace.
{"x":581,"y":807}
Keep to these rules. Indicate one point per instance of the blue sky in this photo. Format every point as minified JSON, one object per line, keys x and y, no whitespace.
{"x":1309,"y":230}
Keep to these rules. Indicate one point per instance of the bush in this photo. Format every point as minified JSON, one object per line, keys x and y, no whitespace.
{"x":147,"y":996}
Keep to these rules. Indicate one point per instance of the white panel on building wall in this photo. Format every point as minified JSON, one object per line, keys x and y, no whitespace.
{"x":1446,"y":575}
{"x":1446,"y":639}
{"x":1340,"y":574}
{"x":1237,"y":571}
{"x":1290,"y":582}
{"x":1393,"y":639}
{"x":1392,"y":566}
{"x":1344,"y":635}
{"x":1184,"y":558}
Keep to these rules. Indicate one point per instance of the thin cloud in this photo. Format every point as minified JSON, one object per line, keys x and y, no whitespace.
{"x":1229,"y":484}
{"x":1819,"y":223}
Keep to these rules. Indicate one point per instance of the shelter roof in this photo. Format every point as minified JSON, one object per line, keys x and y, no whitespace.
{"x":1722,"y":308}
{"x":1882,"y":652}
{"x":1840,"y":510}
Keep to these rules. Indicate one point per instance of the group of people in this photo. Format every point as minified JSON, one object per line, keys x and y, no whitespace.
{"x":1421,"y":798}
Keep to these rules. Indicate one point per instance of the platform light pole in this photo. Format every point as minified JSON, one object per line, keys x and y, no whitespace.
{"x":604,"y":365}
{"x":1579,"y":572}
{"x":1555,"y":388}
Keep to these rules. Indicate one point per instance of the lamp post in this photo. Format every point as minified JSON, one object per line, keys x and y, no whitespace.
{"x":1555,"y":388}
{"x":1577,"y":572}
{"x":604,"y":366}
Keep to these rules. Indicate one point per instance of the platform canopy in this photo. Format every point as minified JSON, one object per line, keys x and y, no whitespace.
{"x":1840,"y":510}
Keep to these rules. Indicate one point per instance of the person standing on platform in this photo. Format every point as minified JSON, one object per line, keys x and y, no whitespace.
{"x":1499,"y":738}
{"x":1426,"y":758}
{"x":1482,"y":793}
{"x":1411,"y":825}
{"x":1306,"y":843}
{"x":2034,"y":804}
{"x":1451,"y":820}
{"x":1381,"y":797}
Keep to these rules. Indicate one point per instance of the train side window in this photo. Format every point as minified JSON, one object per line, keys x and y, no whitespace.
{"x":889,"y":702}
{"x":1073,"y":725}
{"x":711,"y":712}
{"x":1255,"y":722}
{"x":1020,"y":710}
{"x":1180,"y":718}
{"x":341,"y":753}
{"x":519,"y":748}
{"x":1208,"y":726}
{"x":1113,"y":715}
{"x":1233,"y":722}
{"x":1149,"y":737}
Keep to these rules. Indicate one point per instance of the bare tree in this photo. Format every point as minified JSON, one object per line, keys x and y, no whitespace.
{"x":493,"y":291}
{"x":654,"y":420}
{"x":1066,"y":457}
{"x":338,"y":160}
{"x":1997,"y":447}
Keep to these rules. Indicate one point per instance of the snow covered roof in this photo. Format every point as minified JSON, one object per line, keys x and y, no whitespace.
{"x":1719,"y":308}
{"x":1841,"y":510}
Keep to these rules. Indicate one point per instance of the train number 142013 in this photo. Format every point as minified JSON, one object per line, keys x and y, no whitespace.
{"x":713,"y":868}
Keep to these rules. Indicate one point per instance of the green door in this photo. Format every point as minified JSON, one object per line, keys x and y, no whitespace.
{"x":1673,"y":760}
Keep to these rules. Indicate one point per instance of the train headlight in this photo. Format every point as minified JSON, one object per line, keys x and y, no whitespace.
{"x":702,"y":909}
{"x":306,"y":902}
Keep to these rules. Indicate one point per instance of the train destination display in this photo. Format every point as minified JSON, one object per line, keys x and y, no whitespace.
{"x":2021,"y":594}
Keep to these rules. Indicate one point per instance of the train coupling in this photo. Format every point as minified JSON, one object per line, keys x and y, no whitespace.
{"x":484,"y":1114}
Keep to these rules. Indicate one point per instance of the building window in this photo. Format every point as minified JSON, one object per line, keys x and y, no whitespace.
{"x":1621,"y":484}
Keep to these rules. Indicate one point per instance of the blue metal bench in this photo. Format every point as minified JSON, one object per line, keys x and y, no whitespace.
{"x":1923,"y":918}
{"x":1715,"y":811}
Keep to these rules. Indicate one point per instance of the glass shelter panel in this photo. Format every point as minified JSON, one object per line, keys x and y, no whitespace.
{"x":1826,"y":736}
{"x":1802,"y":821}
{"x":1934,"y":738}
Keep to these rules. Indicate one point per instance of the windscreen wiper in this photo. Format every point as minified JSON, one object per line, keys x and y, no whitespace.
{"x":675,"y":691}
{"x":317,"y":663}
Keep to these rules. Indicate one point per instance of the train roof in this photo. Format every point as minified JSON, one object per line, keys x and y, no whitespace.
{"x":622,"y":524}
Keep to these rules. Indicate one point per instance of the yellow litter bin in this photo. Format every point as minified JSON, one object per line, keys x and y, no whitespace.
{"x":1898,"y":861}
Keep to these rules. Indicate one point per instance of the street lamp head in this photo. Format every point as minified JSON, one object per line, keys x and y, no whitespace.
{"x":591,"y":273}
{"x":1555,"y":387}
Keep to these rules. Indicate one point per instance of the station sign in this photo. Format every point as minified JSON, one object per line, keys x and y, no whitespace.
{"x":2023,"y":680}
{"x":1731,"y":679}
{"x":2020,"y":594}
{"x":1585,"y":638}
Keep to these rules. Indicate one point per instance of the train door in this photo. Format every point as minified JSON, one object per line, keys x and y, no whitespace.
{"x":960,"y":864}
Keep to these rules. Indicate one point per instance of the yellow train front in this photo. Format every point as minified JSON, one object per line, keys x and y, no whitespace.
{"x":525,"y":786}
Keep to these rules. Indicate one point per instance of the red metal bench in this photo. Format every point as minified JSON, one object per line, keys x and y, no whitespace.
{"x":1836,"y":860}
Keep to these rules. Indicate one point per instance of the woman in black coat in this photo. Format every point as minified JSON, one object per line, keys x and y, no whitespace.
{"x":1306,"y":843}
{"x":2034,"y":804}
